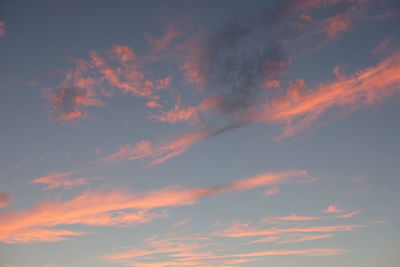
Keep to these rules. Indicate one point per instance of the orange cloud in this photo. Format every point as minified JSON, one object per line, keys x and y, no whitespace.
{"x":90,"y":208}
{"x":305,"y":252}
{"x":350,"y":214}
{"x":129,"y":152}
{"x":238,"y":229}
{"x":156,"y":153}
{"x":153,"y":104}
{"x":333,"y":208}
{"x":113,"y":208}
{"x":2,"y":29}
{"x":298,"y":109}
{"x":193,"y":251}
{"x":5,"y":199}
{"x":295,"y":217}
{"x":261,"y":180}
{"x":60,"y":179}
{"x":176,"y":246}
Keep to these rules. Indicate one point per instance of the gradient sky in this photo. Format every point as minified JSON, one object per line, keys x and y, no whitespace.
{"x":199,"y":133}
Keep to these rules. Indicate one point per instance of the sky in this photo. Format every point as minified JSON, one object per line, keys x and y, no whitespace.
{"x":199,"y":133}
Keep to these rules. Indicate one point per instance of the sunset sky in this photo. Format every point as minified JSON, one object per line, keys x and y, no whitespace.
{"x":200,"y":133}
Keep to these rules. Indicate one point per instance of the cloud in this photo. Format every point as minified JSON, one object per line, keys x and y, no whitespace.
{"x":89,"y":82}
{"x":71,"y":98}
{"x":260,"y":181}
{"x":157,"y":154}
{"x":122,"y":54}
{"x":333,"y":208}
{"x":61,"y":179}
{"x":163,"y":43}
{"x":272,"y":191}
{"x":114,"y":208}
{"x":295,"y":217}
{"x":90,"y":208}
{"x":128,"y":152}
{"x":153,"y":104}
{"x":238,"y":229}
{"x":191,"y":250}
{"x":382,"y":47}
{"x":350,"y":214}
{"x":177,"y":114}
{"x":2,"y":29}
{"x":298,"y":109}
{"x":5,"y":199}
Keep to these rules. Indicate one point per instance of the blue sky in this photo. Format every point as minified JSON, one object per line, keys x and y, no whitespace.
{"x":199,"y":133}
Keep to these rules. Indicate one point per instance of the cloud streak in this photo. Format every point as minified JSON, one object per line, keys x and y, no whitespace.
{"x":114,"y":208}
{"x":61,"y":179}
{"x":298,"y":109}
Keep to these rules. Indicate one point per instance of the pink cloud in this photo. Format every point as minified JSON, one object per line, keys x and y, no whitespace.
{"x":5,"y":199}
{"x":90,"y":208}
{"x":272,"y":191}
{"x":129,"y":152}
{"x":350,"y":214}
{"x":61,"y":179}
{"x":153,"y":104}
{"x":333,"y":208}
{"x":194,"y":251}
{"x":298,"y":109}
{"x":113,"y":208}
{"x":157,"y":154}
{"x":238,"y":229}
{"x":71,"y":98}
{"x":164,"y":42}
{"x":122,"y":53}
{"x":295,"y":217}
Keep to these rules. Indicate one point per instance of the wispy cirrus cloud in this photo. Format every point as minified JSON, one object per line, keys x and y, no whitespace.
{"x":192,"y":250}
{"x":61,"y":179}
{"x":238,"y":229}
{"x":350,"y":214}
{"x":295,"y":217}
{"x":298,"y":109}
{"x":115,"y":208}
{"x":90,"y":208}
{"x":156,"y":153}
